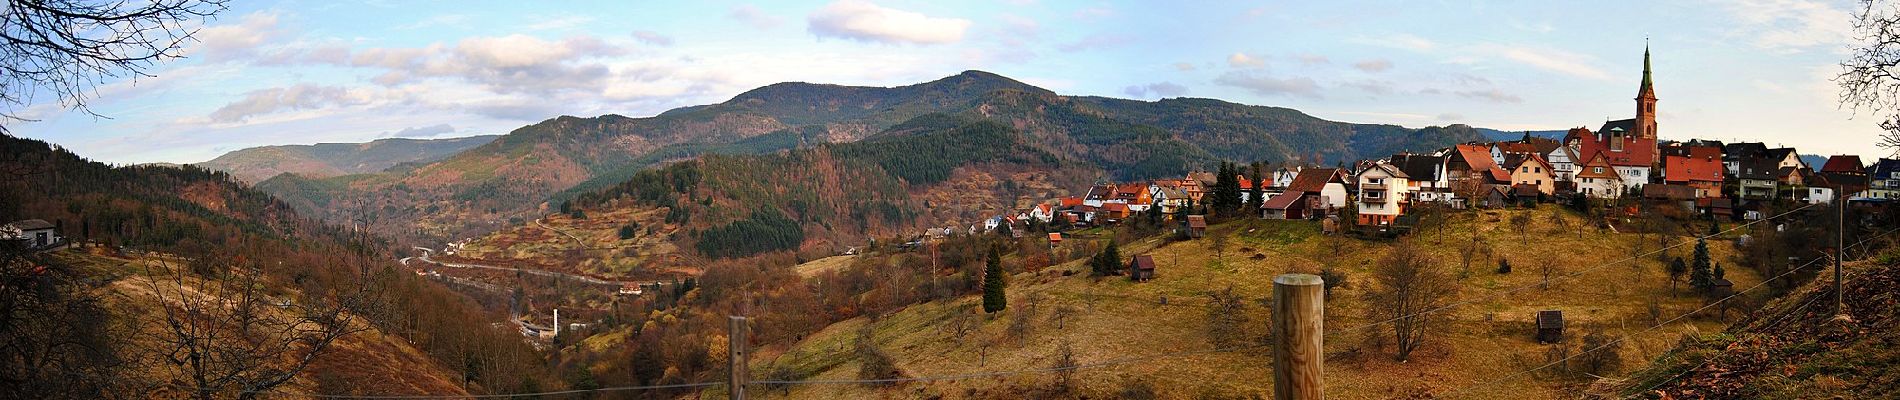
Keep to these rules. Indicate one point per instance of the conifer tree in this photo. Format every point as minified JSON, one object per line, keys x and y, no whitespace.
{"x":1677,"y":269}
{"x":993,"y":298}
{"x":1106,"y":262}
{"x":1700,"y":276}
{"x":1256,"y":196}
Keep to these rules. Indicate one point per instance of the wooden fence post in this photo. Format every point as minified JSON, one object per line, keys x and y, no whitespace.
{"x":736,"y":357}
{"x":1299,"y":354}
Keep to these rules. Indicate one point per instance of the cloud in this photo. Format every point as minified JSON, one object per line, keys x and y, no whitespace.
{"x":1095,"y":12}
{"x":1402,"y":41}
{"x":1184,"y":66}
{"x":1242,"y":60}
{"x":561,"y":23}
{"x":241,"y":40}
{"x":1159,"y":89}
{"x":420,"y":131}
{"x":1551,"y":60}
{"x":862,"y":21}
{"x":1789,"y":26}
{"x":1493,"y":95}
{"x":1450,"y":117}
{"x":1265,"y":85}
{"x":298,"y":97}
{"x":1094,"y":41}
{"x":653,"y":38}
{"x":751,"y":15}
{"x":1313,"y":59}
{"x":435,"y":21}
{"x":1373,"y":65}
{"x":1372,"y":86}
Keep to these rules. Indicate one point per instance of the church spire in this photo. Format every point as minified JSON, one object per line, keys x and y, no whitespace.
{"x":1645,"y":89}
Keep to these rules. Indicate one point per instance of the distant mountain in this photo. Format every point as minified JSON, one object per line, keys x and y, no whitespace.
{"x":1496,"y":135}
{"x":331,"y":159}
{"x":1814,"y":161}
{"x":535,"y":168}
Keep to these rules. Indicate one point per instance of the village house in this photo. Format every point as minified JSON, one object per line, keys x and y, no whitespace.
{"x":1756,"y":179}
{"x":1283,"y":177}
{"x":35,"y":233}
{"x":1314,"y":193}
{"x":1170,"y":198}
{"x":1883,"y":179}
{"x":1530,"y":169}
{"x":1382,"y":191}
{"x":1470,"y":166}
{"x":1501,"y":152}
{"x":1563,"y":164}
{"x":1734,"y":153}
{"x":1680,"y":195}
{"x":1427,"y":178}
{"x":1700,"y":169}
{"x":1846,"y":174}
{"x":1598,"y":180}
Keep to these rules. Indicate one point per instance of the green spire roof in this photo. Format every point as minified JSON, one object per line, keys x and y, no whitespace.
{"x":1645,"y":87}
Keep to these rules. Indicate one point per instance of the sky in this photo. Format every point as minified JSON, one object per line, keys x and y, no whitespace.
{"x":300,"y":72}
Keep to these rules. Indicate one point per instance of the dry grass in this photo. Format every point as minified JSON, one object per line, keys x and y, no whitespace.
{"x":600,"y":252}
{"x":1489,"y":338}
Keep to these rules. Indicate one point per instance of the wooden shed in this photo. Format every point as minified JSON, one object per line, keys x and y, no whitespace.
{"x":1196,"y":226}
{"x":1550,"y":326}
{"x":1141,"y":268}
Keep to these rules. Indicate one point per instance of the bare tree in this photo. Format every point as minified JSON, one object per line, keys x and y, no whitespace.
{"x":1868,"y":77}
{"x":227,"y":336}
{"x":1217,"y":241}
{"x":57,"y":339}
{"x":63,"y":49}
{"x":1065,"y":367}
{"x":1226,"y":318}
{"x":1409,"y":288}
{"x":1547,"y":264}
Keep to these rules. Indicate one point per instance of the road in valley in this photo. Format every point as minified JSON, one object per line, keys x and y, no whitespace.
{"x":426,"y":252}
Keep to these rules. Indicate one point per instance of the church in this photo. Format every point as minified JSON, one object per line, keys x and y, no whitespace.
{"x":1627,"y":145}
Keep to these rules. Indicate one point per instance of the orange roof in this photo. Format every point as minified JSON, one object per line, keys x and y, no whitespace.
{"x":1115,"y":206}
{"x":1071,"y":201}
{"x":1478,"y":156}
{"x":1688,"y":169}
{"x":1055,"y":236}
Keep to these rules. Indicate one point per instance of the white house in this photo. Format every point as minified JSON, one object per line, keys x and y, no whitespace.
{"x":1563,"y":163}
{"x":1284,"y":176}
{"x":1820,"y":195}
{"x":1382,"y":192}
{"x":36,"y":232}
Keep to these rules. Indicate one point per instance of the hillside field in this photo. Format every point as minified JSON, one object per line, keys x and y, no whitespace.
{"x":1114,"y":320}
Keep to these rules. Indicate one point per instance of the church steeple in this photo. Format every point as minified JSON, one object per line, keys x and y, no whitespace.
{"x":1646,"y":90}
{"x":1646,"y":103}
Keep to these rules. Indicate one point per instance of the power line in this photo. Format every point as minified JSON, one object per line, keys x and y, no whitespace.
{"x":469,"y":396}
{"x":1577,"y":273}
{"x":1109,"y":363}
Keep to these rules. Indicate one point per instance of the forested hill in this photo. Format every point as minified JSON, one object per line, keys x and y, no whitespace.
{"x":513,"y":178}
{"x":331,"y":159}
{"x":209,"y":228}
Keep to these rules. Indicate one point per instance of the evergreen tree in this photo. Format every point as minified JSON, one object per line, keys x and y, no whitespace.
{"x":1107,"y":262}
{"x":1700,"y":277}
{"x":1719,"y":274}
{"x":1504,"y":266}
{"x":1226,"y":190}
{"x":993,"y":298}
{"x":1257,"y":195}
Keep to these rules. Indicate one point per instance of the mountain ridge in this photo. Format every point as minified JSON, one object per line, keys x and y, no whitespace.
{"x":255,"y":164}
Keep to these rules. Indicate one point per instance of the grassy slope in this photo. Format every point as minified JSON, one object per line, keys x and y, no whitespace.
{"x":1116,"y":318}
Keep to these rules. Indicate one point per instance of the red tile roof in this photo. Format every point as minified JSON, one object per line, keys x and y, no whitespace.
{"x":1637,"y":152}
{"x":1284,"y":200}
{"x":1679,"y":169}
{"x":1315,"y":179}
{"x":1847,"y":163}
{"x":1478,"y":156}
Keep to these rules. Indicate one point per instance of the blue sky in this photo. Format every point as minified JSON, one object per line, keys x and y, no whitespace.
{"x":292,"y":72}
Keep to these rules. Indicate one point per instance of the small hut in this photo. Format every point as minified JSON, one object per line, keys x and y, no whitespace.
{"x":1141,"y":268}
{"x":1196,"y":226}
{"x":1550,"y":326}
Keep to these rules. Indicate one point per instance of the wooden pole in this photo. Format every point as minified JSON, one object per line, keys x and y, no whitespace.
{"x":736,"y":357}
{"x":1299,"y":303}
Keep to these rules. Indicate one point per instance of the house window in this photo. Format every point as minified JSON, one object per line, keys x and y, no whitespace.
{"x":1539,"y":182}
{"x":1375,"y":194}
{"x":1598,"y":170}
{"x":1537,"y":169}
{"x":1375,"y":181}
